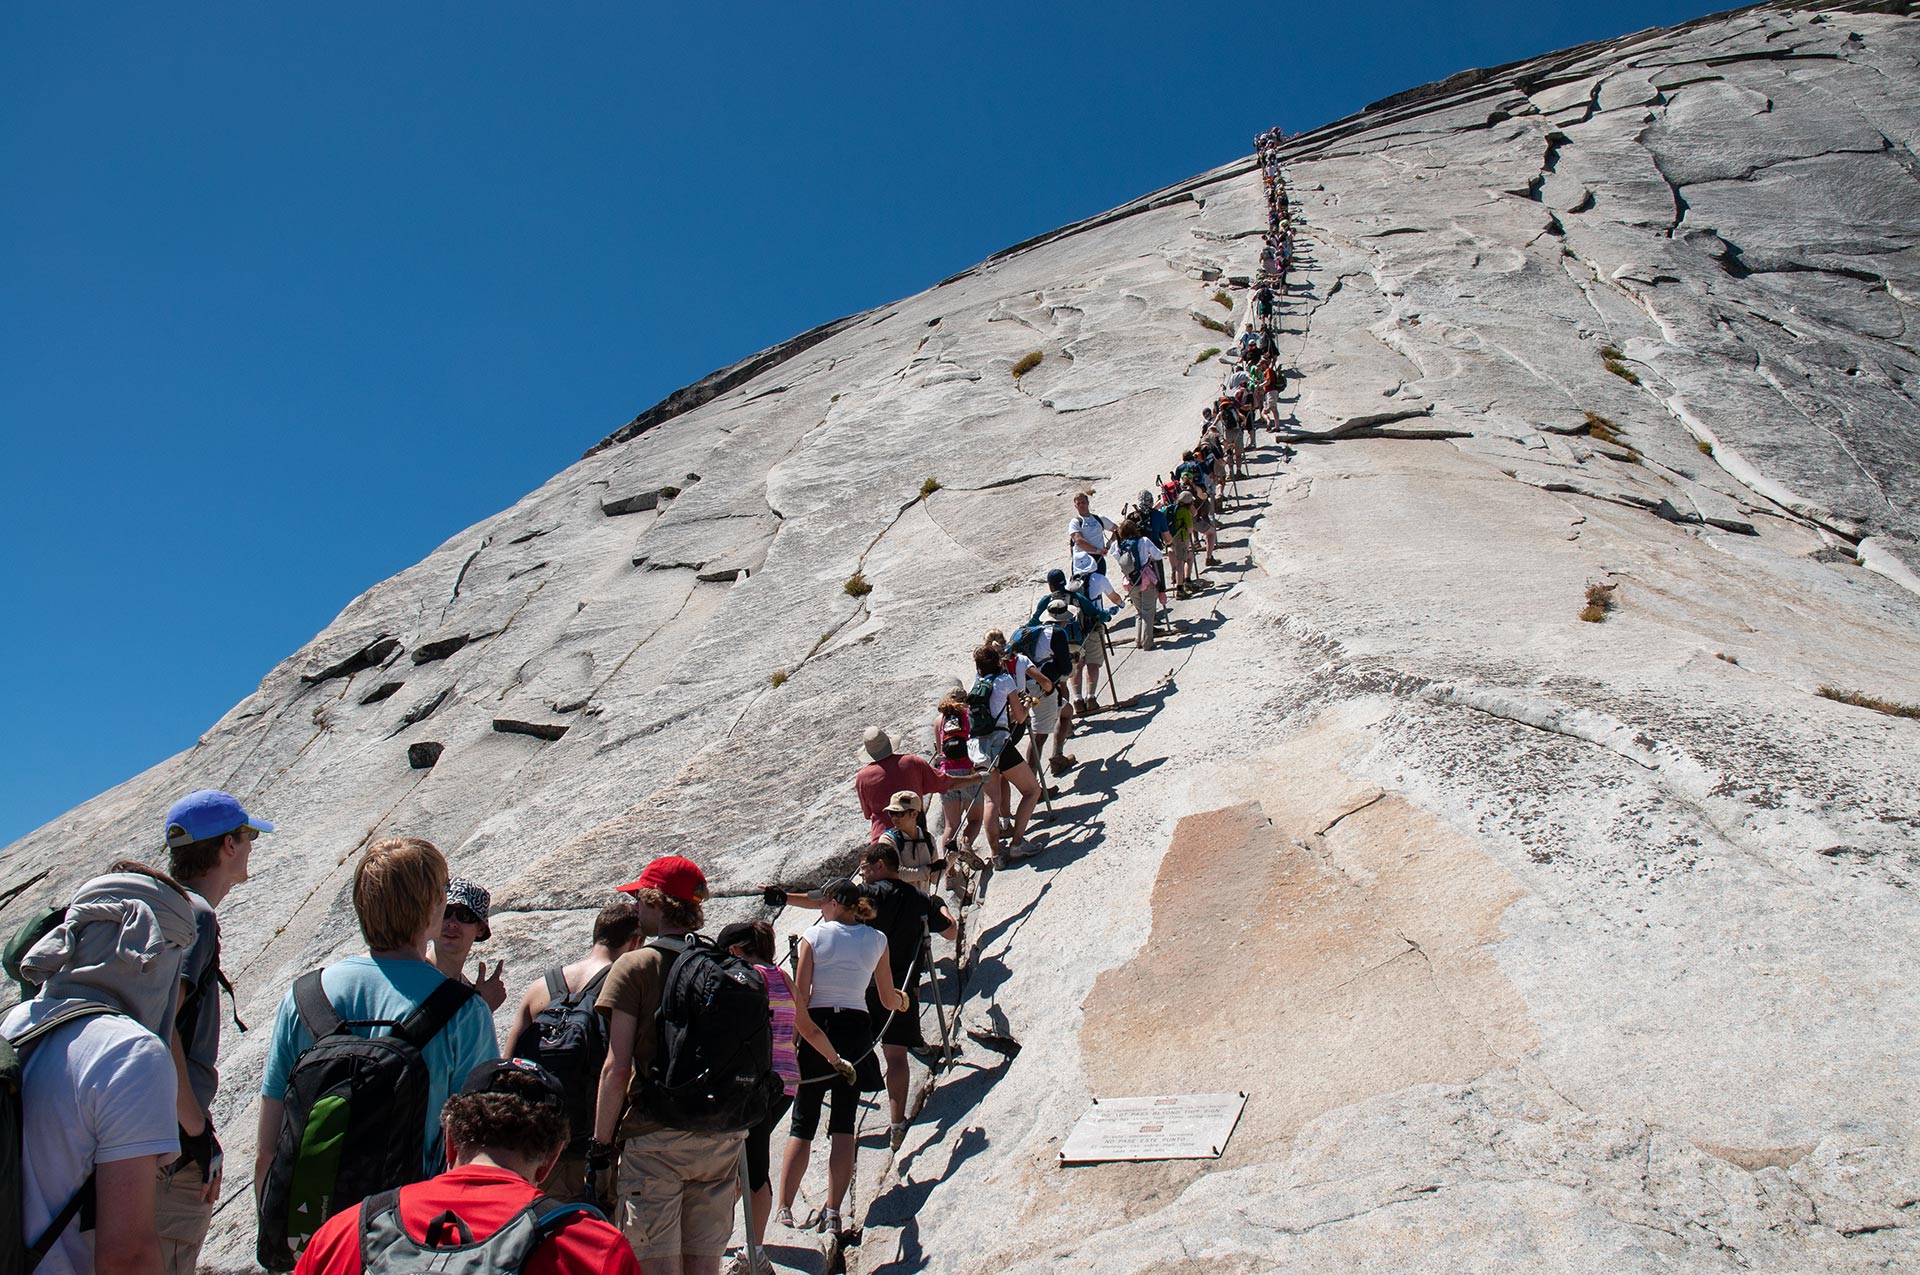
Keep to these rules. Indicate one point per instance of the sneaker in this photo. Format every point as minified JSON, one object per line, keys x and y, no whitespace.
{"x":896,"y":1134}
{"x":785,"y":1218}
{"x":830,"y":1222}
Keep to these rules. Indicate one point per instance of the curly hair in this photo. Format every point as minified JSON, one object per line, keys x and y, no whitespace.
{"x":677,"y":913}
{"x":504,"y":1122}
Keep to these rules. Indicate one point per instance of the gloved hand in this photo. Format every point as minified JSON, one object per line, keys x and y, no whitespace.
{"x":773,"y":896}
{"x":846,"y":1071}
{"x":202,"y":1149}
{"x":599,"y":1177}
{"x":937,"y":866}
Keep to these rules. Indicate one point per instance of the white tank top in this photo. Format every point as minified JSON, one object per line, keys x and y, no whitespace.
{"x":844,"y":957}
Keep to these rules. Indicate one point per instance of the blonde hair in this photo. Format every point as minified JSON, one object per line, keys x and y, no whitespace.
{"x":397,"y":886}
{"x":997,"y":637}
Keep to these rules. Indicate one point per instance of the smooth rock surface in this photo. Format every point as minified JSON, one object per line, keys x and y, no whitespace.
{"x":1536,"y":944}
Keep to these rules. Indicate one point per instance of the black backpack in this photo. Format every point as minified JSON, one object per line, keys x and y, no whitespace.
{"x":712,"y":1069}
{"x":980,"y":719}
{"x":569,"y":1039}
{"x":356,"y":1111}
{"x":449,"y":1249}
{"x":17,"y":1257}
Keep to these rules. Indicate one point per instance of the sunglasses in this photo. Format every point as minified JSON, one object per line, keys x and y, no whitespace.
{"x":462,"y":913}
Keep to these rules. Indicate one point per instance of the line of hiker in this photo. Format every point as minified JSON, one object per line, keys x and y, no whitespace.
{"x":634,"y":1105}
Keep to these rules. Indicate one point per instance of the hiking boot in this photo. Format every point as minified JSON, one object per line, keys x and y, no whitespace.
{"x":963,"y":854}
{"x":896,"y":1134}
{"x":830,"y":1223}
{"x":1062,"y":765}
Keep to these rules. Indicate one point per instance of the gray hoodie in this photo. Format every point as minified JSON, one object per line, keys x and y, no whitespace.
{"x":123,"y":943}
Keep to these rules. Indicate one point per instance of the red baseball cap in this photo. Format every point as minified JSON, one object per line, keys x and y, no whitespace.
{"x":673,"y":876}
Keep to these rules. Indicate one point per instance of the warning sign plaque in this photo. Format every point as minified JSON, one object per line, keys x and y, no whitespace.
{"x":1192,"y":1126}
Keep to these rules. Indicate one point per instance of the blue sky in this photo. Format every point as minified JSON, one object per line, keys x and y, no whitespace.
{"x":290,"y":296}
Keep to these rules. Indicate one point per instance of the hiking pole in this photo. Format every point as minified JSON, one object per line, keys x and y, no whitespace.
{"x":746,"y":1208}
{"x":939,"y":999}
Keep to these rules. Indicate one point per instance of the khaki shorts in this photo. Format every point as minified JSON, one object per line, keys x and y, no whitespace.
{"x":1093,"y":652}
{"x":1045,"y":715}
{"x":678,"y":1192}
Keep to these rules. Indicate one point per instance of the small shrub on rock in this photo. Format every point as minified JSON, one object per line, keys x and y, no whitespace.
{"x":928,"y":487}
{"x":1027,"y":363}
{"x":857,"y":586}
{"x":778,"y":678}
{"x":1220,"y":298}
{"x":1205,"y":354}
{"x":1599,"y":602}
{"x":1212,"y":323}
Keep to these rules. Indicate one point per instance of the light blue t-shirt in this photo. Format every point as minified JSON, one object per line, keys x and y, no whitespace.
{"x":361,"y":987}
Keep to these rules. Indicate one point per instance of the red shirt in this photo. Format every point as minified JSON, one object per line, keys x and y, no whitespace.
{"x":878,"y":781}
{"x":486,"y":1198}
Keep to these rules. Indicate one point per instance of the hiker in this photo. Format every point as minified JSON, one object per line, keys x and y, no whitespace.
{"x":887,"y":772}
{"x":676,"y":1187}
{"x":464,"y":922}
{"x":1090,"y":634}
{"x":1088,"y":532}
{"x":97,"y":1101}
{"x":1139,"y":560}
{"x":503,"y":1131}
{"x":920,"y":865}
{"x":753,"y":941}
{"x":998,"y":717}
{"x":1094,"y":645}
{"x":1047,"y":645}
{"x":209,"y":839}
{"x":963,"y":807}
{"x":838,"y":957}
{"x":392,"y":1134}
{"x":1179,"y":507}
{"x":558,"y":1027}
{"x":906,"y":916}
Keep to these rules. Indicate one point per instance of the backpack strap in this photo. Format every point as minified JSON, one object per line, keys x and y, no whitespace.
{"x":557,"y":984}
{"x":434,"y":1013}
{"x":315,"y":1010}
{"x":82,"y":1203}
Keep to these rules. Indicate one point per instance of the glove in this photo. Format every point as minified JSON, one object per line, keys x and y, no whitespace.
{"x":774,"y":897}
{"x":599,"y":1154}
{"x":202,"y":1149}
{"x":937,"y":866}
{"x":846,"y":1072}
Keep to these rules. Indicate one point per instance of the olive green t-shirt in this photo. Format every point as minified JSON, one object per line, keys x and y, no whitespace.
{"x":634,"y":985}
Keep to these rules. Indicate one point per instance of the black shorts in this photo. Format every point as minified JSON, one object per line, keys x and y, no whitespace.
{"x":904,"y":1027}
{"x":1011,"y":756}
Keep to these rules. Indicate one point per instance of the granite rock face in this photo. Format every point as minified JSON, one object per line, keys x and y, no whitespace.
{"x":1535,"y":944}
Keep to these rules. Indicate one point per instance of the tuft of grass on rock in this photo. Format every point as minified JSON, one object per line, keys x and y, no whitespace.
{"x":1722,"y":655}
{"x":1213,"y":324}
{"x":1205,"y":354}
{"x":1615,"y":362}
{"x":668,"y":493}
{"x":1027,"y":363}
{"x":1706,"y":448}
{"x":1599,"y":602}
{"x":857,"y":586}
{"x":928,"y":487}
{"x":1220,"y":298}
{"x":834,"y":399}
{"x":778,"y":678}
{"x":1603,"y":429}
{"x":1860,"y":700}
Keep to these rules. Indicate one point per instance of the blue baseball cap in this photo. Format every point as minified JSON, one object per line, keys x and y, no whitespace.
{"x":205,"y":814}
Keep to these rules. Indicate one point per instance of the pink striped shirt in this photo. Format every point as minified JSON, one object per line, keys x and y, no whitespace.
{"x":786,"y":1063}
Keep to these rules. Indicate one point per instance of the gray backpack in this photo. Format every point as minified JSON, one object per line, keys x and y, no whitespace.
{"x":449,"y":1249}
